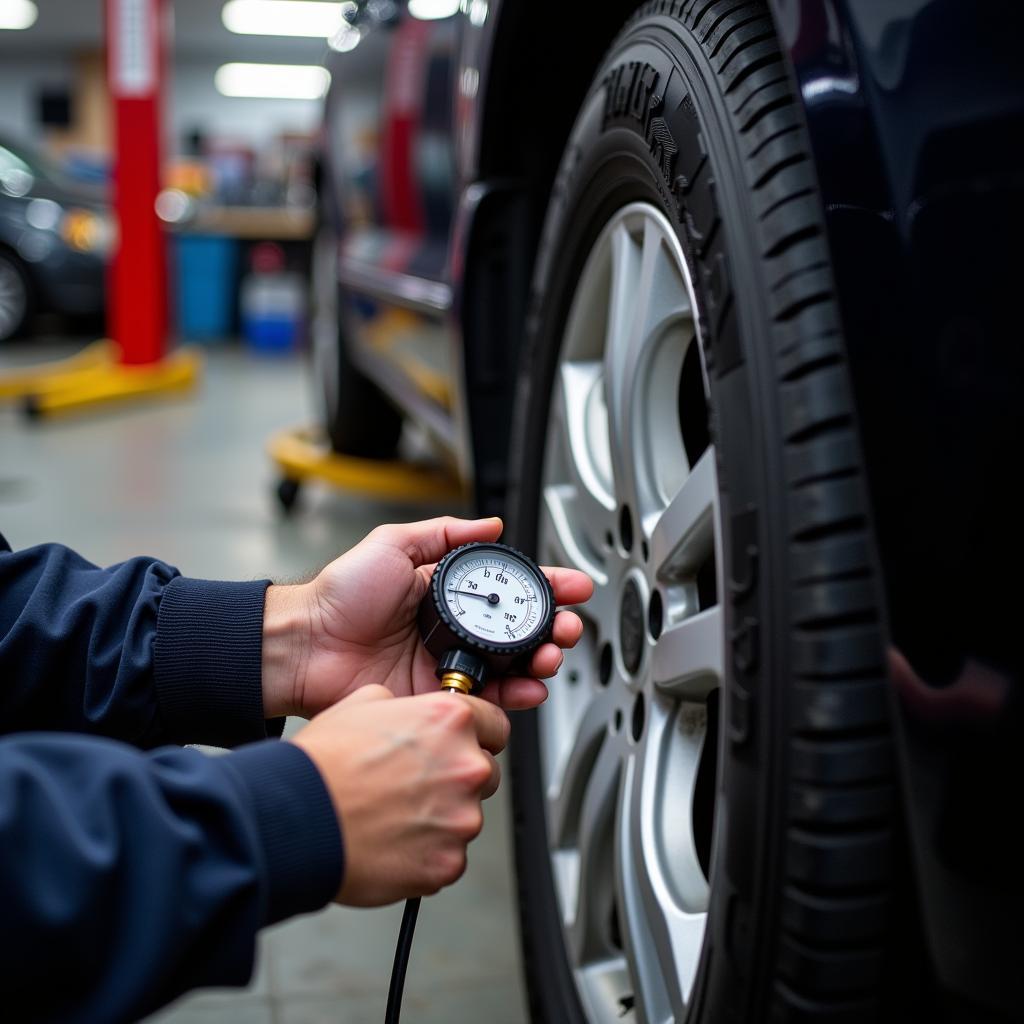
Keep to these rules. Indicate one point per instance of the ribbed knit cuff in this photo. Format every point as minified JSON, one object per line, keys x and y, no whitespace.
{"x":297,"y":827}
{"x":207,"y":662}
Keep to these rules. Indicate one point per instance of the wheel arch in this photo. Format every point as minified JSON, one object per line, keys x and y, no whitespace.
{"x":526,"y":115}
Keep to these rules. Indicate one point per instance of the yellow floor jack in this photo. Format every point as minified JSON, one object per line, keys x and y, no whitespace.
{"x":301,"y":455}
{"x":96,"y":377}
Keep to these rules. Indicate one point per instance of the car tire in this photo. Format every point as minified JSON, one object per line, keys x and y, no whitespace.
{"x":15,"y":296}
{"x":691,"y":139}
{"x":356,"y":416}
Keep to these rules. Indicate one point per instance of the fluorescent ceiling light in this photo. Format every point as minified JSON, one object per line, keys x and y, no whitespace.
{"x":18,"y":14}
{"x":314,"y":18}
{"x":429,"y":10}
{"x":273,"y":81}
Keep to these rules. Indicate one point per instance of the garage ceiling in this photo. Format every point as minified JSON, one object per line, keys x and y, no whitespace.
{"x":67,"y":26}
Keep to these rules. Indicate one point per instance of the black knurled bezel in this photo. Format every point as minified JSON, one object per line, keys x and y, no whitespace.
{"x":512,"y":650}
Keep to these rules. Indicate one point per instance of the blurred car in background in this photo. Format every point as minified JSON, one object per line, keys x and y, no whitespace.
{"x":712,"y":300}
{"x":55,"y":236}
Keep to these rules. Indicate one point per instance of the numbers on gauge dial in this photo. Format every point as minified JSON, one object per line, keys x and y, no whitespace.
{"x":494,"y":597}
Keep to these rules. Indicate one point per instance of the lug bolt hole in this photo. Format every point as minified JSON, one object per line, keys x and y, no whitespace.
{"x":617,"y":722}
{"x":605,"y":665}
{"x":574,"y":677}
{"x":655,"y":615}
{"x":609,"y":540}
{"x":639,"y":713}
{"x":644,"y":551}
{"x":626,"y":529}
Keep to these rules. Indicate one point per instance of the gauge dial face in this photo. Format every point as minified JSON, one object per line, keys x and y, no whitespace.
{"x":494,"y":596}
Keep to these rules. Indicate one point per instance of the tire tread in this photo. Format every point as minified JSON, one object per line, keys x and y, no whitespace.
{"x":837,"y":775}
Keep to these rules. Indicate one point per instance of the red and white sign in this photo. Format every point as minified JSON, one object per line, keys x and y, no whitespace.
{"x":134,"y":47}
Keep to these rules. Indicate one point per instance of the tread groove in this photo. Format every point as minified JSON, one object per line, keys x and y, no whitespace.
{"x":746,"y":44}
{"x":781,"y":133}
{"x":785,"y":201}
{"x":782,"y":80}
{"x":732,"y":29}
{"x":792,"y":276}
{"x":761,"y":62}
{"x":799,"y":307}
{"x":812,"y":366}
{"x":777,"y":168}
{"x":852,"y":522}
{"x":725,"y":14}
{"x":762,"y":112}
{"x":695,"y":18}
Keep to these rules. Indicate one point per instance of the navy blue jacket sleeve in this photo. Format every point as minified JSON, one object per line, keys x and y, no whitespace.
{"x":134,"y":651}
{"x":128,"y":878}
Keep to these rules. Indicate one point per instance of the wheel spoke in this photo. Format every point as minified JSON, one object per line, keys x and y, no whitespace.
{"x":620,"y":787}
{"x":611,"y":979}
{"x":632,"y":273}
{"x":565,"y":542}
{"x":659,"y":880}
{"x":579,"y":508}
{"x":572,"y":768}
{"x":635,"y":891}
{"x":590,"y":924}
{"x":689,"y":657}
{"x":683,"y":534}
{"x":647,"y":294}
{"x":581,"y":409}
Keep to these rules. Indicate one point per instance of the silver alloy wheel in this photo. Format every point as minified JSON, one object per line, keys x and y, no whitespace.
{"x":624,"y":728}
{"x":13,"y":298}
{"x":324,"y":325}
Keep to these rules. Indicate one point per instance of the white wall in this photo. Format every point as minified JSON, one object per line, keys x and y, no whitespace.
{"x":194,"y":103}
{"x":20,"y":82}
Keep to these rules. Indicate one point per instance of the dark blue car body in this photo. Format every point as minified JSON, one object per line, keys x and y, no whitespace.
{"x":916,"y":114}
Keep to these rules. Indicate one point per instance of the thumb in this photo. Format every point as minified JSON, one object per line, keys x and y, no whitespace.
{"x":367,"y":694}
{"x":431,"y":539}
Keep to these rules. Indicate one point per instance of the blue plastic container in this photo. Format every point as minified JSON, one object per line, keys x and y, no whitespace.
{"x":207,"y":274}
{"x":271,"y":334}
{"x":273,"y":312}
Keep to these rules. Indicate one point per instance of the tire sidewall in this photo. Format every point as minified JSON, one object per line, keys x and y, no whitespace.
{"x":610,"y":161}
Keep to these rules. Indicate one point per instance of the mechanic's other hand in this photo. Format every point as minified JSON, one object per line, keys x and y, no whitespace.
{"x":355,"y":624}
{"x":406,"y":777}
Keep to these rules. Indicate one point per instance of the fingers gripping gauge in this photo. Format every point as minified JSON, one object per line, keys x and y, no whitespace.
{"x":487,"y":609}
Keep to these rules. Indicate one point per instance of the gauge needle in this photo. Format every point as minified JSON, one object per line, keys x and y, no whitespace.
{"x":489,"y":598}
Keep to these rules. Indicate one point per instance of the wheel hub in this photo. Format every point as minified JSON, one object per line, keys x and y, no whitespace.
{"x":631,"y":626}
{"x":631,"y":498}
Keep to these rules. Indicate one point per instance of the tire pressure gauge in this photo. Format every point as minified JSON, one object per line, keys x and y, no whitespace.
{"x":487,"y":609}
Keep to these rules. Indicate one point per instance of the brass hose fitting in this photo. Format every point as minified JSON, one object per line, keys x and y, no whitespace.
{"x":456,"y":682}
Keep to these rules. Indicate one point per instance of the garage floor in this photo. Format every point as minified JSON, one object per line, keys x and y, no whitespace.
{"x":187,"y":481}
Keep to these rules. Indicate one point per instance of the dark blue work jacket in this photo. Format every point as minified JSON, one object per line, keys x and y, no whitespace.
{"x":132,"y":869}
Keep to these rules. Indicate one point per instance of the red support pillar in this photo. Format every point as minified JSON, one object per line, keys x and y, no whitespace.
{"x":137,"y":36}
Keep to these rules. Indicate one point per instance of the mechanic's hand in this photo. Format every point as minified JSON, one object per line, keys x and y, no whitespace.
{"x":356,"y":623}
{"x":406,"y":777}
